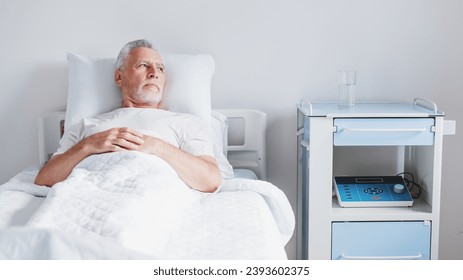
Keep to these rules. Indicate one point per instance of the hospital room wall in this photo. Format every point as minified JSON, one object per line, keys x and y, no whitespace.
{"x":269,"y":54}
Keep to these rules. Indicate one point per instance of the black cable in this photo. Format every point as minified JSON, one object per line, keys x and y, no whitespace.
{"x":414,"y":188}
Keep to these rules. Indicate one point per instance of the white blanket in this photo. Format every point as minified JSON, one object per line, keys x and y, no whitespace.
{"x":137,"y":201}
{"x":133,"y":198}
{"x":20,"y":243}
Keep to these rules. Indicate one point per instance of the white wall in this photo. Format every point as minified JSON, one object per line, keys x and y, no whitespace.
{"x":269,"y":54}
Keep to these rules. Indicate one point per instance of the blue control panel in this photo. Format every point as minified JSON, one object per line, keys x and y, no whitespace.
{"x":370,"y":191}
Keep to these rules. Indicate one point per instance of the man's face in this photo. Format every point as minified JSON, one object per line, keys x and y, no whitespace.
{"x":142,"y":78}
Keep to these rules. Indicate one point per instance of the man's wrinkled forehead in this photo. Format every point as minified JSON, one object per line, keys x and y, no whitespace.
{"x":147,"y":55}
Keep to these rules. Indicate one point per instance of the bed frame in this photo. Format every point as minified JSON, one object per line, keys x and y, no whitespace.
{"x":246,"y":138}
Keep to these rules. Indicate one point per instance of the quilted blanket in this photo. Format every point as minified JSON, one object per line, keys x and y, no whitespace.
{"x":137,"y":201}
{"x":130,"y":197}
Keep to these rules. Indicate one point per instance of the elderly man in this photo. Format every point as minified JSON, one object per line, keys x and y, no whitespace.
{"x":140,"y":125}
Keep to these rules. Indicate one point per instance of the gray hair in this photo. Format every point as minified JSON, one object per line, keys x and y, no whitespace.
{"x":124,"y":52}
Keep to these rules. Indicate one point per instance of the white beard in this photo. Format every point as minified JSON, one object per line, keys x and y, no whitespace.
{"x":151,"y":98}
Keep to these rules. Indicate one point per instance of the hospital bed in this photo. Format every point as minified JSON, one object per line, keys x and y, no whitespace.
{"x":247,"y":218}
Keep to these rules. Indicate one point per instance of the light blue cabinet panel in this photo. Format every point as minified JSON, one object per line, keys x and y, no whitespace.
{"x":381,"y":240}
{"x":383,"y":131}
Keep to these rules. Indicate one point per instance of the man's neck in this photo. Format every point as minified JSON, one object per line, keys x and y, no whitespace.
{"x":131,"y":104}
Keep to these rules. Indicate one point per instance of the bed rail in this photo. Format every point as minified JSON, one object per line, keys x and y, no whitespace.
{"x":247,"y":139}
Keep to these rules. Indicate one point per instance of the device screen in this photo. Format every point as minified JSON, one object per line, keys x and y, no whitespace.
{"x":369,"y":180}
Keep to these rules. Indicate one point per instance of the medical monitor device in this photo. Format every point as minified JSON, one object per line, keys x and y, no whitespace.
{"x":372,"y":191}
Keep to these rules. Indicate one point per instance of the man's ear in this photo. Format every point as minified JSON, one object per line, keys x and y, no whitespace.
{"x":118,"y":77}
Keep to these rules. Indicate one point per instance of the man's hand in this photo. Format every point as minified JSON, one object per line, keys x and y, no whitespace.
{"x":113,"y":140}
{"x":60,"y":166}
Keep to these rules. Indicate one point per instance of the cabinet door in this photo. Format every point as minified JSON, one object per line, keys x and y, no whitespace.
{"x":381,"y":240}
{"x":383,"y":131}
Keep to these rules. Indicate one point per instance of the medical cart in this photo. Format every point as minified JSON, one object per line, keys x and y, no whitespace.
{"x":370,"y":140}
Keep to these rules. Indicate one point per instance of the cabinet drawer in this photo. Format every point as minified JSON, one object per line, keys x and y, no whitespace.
{"x":381,"y":240}
{"x":383,"y":131}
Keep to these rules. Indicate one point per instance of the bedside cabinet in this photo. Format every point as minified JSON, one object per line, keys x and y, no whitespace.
{"x":374,"y":139}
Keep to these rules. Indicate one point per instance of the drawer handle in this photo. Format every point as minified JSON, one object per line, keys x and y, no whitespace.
{"x":385,"y":129}
{"x":413,"y":257}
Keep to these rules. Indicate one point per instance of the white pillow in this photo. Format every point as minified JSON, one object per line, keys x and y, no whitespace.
{"x":92,"y":90}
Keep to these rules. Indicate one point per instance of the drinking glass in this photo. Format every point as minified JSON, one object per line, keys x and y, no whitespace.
{"x":346,"y":88}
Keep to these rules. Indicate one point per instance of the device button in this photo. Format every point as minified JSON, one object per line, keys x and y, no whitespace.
{"x":398,"y":188}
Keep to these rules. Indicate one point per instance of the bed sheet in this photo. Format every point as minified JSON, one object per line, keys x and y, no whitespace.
{"x":20,"y":198}
{"x":242,"y":221}
{"x":241,"y":173}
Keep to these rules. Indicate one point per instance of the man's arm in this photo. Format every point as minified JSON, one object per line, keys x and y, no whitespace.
{"x":198,"y":172}
{"x":60,"y":166}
